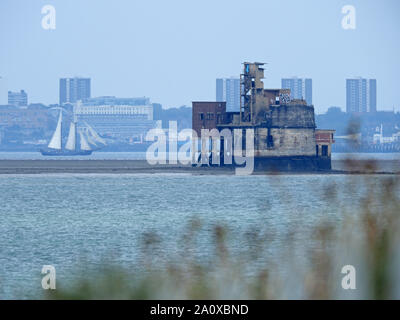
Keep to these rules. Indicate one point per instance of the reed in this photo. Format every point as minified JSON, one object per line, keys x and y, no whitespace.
{"x":367,"y":239}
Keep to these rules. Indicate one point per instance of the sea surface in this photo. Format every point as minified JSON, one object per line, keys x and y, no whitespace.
{"x":93,"y":156}
{"x":142,"y":156}
{"x":79,"y":222}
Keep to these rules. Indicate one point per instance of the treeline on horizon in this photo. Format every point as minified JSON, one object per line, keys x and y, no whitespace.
{"x":344,"y":123}
{"x":19,"y":131}
{"x":365,"y":123}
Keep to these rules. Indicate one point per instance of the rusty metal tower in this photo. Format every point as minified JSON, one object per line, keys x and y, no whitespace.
{"x":250,"y":85}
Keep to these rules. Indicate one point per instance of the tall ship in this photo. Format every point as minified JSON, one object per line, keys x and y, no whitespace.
{"x":81,"y":141}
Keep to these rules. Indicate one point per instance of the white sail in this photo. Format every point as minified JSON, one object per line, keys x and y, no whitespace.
{"x":94,"y":134}
{"x":55,"y":142}
{"x":84,"y":143}
{"x":71,"y":142}
{"x":91,"y":140}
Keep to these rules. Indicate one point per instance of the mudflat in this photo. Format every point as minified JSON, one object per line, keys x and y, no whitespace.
{"x":142,"y":166}
{"x":95,"y":166}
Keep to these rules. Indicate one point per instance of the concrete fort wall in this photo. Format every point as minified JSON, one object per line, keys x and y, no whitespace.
{"x":300,"y":164}
{"x":290,"y":131}
{"x":292,"y":116}
{"x":285,"y":142}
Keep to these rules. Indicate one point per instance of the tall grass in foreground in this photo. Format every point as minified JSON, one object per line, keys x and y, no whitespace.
{"x":368,"y":240}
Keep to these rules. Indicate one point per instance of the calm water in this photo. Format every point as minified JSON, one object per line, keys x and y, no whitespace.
{"x":142,"y":156}
{"x":76,"y":222}
{"x":93,"y":156}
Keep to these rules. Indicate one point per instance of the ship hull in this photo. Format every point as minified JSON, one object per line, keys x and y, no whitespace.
{"x":60,"y":153}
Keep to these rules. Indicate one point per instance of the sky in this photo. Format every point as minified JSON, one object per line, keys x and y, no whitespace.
{"x":172,"y":51}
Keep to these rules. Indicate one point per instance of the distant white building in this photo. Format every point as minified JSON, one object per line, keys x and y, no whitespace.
{"x":379,"y":138}
{"x":18,"y":99}
{"x":126,"y":122}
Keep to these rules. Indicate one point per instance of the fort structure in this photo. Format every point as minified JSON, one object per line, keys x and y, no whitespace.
{"x":284,"y":131}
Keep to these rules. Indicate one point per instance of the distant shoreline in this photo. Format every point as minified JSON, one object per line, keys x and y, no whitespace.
{"x":142,"y":167}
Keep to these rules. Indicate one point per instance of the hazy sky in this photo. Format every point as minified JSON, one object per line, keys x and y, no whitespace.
{"x":172,"y":51}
